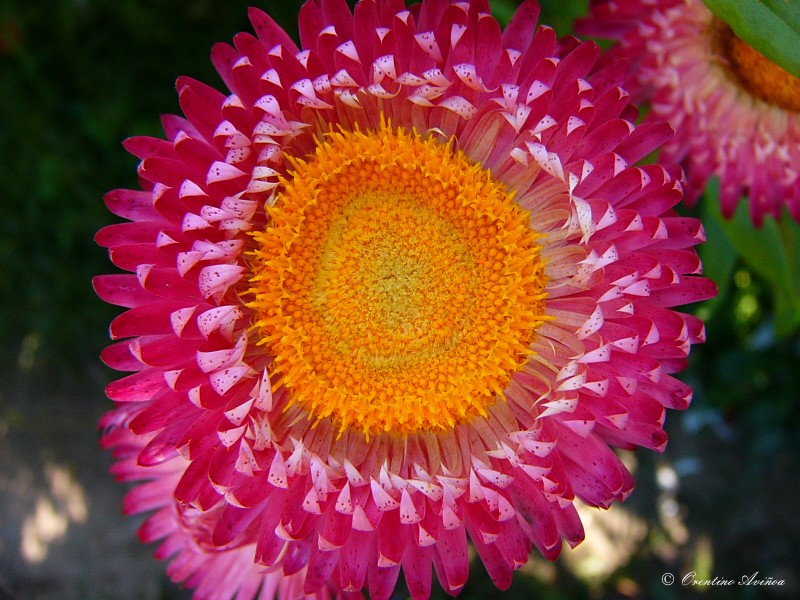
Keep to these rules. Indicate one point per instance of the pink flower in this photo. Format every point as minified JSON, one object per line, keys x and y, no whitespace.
{"x":736,"y":114}
{"x":400,"y":288}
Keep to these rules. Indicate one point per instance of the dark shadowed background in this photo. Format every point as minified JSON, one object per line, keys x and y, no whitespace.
{"x":79,"y":76}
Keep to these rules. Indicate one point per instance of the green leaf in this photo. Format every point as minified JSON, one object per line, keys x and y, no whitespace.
{"x":770,"y":26}
{"x":772,"y":252}
{"x":786,"y":10}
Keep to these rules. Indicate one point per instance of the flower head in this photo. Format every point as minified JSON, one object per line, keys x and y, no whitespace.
{"x":400,"y":288}
{"x":736,"y":114}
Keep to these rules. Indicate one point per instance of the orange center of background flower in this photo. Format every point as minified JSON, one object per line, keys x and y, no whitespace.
{"x":757,"y":74}
{"x":398,"y":286}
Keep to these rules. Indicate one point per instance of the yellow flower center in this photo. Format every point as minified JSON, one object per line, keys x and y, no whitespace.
{"x":756,"y":73}
{"x":398,"y":286}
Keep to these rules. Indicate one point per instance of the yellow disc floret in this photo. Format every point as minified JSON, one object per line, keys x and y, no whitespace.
{"x":397,"y":285}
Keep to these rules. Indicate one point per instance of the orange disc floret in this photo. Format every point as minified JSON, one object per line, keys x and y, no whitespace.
{"x":758,"y":74}
{"x":398,"y":286}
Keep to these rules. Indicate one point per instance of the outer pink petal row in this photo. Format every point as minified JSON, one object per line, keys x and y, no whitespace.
{"x":249,"y":499}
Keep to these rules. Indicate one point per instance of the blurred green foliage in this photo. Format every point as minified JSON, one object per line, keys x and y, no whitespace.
{"x":772,"y":252}
{"x":78,"y":77}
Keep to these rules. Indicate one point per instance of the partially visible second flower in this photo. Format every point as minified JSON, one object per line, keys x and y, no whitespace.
{"x":736,"y":114}
{"x":400,"y":288}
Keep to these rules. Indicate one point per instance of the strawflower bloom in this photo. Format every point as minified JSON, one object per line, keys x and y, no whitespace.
{"x":401,"y":288}
{"x":736,"y":113}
